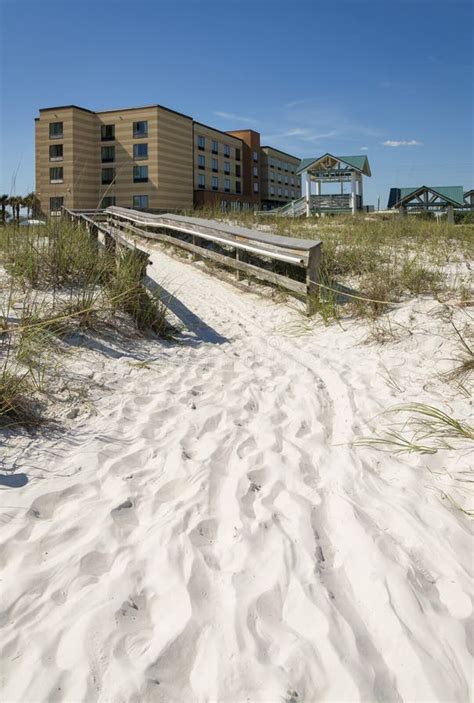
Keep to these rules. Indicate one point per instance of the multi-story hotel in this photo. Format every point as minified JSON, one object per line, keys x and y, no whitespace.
{"x":154,"y":158}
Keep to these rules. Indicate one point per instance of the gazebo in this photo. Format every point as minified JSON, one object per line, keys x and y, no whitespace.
{"x":334,"y":169}
{"x":469,"y":199}
{"x":427,"y":199}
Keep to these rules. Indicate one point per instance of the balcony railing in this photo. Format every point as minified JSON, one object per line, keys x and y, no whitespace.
{"x":334,"y":202}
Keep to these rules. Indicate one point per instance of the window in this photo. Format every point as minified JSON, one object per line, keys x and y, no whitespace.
{"x":55,"y":205}
{"x":140,"y":151}
{"x":237,"y":154}
{"x":201,"y":161}
{"x":286,"y":180}
{"x":56,"y":174}
{"x":56,"y":152}
{"x":286,"y":166}
{"x":140,"y":129}
{"x":215,"y":146}
{"x":255,"y":187}
{"x":215,"y":183}
{"x":215,"y":165}
{"x":272,"y":176}
{"x":56,"y":130}
{"x":272,"y":163}
{"x":108,"y":201}
{"x":108,"y":154}
{"x":237,"y":187}
{"x":292,"y":180}
{"x":226,"y":150}
{"x":286,"y":192}
{"x":227,"y":185}
{"x":255,"y":156}
{"x":202,"y":180}
{"x":140,"y":201}
{"x":107,"y":132}
{"x":226,"y":166}
{"x":272,"y":190}
{"x":201,"y":142}
{"x":279,"y":165}
{"x":237,"y":170}
{"x":292,"y":169}
{"x":292,"y":194}
{"x":255,"y":171}
{"x":108,"y":175}
{"x":279,"y":190}
{"x":279,"y":178}
{"x":140,"y":174}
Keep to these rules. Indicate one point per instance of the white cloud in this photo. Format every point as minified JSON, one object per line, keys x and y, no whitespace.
{"x":237,"y":118}
{"x":364,"y":148}
{"x":402,"y":142}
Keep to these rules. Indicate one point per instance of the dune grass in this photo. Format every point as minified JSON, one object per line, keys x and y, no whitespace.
{"x":57,"y":281}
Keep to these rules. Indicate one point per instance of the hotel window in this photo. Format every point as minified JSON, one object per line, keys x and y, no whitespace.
{"x":226,"y":166}
{"x":255,"y":156}
{"x":56,"y":152}
{"x":286,"y":180}
{"x":237,"y":170}
{"x":140,"y":201}
{"x":108,"y":175}
{"x":56,"y":130}
{"x":140,"y":151}
{"x":255,"y":171}
{"x":279,"y":190}
{"x":108,"y":201}
{"x":272,"y":176}
{"x":292,"y":194}
{"x":292,"y":181}
{"x":292,"y":169}
{"x":279,"y":178}
{"x":201,"y":161}
{"x":278,"y":165}
{"x":215,"y":165}
{"x":215,"y":183}
{"x":286,"y":192}
{"x":272,"y":163}
{"x":215,"y":146}
{"x":227,"y":185}
{"x":202,"y":180}
{"x":107,"y":132}
{"x":140,"y":174}
{"x":107,"y":154}
{"x":255,"y":187}
{"x":286,"y":166}
{"x":55,"y":205}
{"x":237,"y":187}
{"x":201,"y":142}
{"x":237,"y":154}
{"x":272,"y":190}
{"x":140,"y":129}
{"x":56,"y":174}
{"x":226,"y":150}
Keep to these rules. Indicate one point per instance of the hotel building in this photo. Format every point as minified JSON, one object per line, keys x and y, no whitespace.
{"x":154,"y":158}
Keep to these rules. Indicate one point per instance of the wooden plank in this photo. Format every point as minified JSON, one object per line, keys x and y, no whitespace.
{"x":256,"y":271}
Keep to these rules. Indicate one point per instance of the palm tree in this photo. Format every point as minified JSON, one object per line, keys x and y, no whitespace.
{"x":31,"y":202}
{"x":15,"y":203}
{"x":3,"y":205}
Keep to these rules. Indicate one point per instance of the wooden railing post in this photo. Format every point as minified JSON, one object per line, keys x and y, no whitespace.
{"x":312,"y":278}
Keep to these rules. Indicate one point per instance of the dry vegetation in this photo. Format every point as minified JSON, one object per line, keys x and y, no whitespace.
{"x":55,"y":283}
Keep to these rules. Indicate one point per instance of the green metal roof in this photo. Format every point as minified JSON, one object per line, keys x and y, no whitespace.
{"x":360,"y":163}
{"x":451,"y":194}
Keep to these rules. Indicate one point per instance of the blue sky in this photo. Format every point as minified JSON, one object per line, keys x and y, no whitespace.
{"x":389,"y":78}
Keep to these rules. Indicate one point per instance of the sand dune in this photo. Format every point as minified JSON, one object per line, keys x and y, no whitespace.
{"x":211,"y":534}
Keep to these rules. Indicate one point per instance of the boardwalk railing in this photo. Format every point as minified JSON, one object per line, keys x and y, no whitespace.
{"x":288,"y":262}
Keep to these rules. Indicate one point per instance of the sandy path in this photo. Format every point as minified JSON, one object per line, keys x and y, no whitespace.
{"x":211,"y":535}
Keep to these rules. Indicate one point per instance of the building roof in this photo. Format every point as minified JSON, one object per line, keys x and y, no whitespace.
{"x":358,"y":163}
{"x":452,"y":195}
{"x":123,"y":109}
{"x":467,"y":193}
{"x":273,"y":148}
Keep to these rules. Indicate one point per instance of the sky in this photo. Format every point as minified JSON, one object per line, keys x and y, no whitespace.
{"x":392,"y":79}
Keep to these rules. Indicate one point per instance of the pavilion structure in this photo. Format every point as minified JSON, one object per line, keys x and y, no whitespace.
{"x":435,"y":199}
{"x":469,"y":199}
{"x":335,"y":170}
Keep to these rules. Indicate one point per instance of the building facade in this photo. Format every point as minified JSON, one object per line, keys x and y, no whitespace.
{"x":153,"y":158}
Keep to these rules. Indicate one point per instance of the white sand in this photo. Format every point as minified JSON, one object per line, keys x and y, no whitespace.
{"x":212,"y":535}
